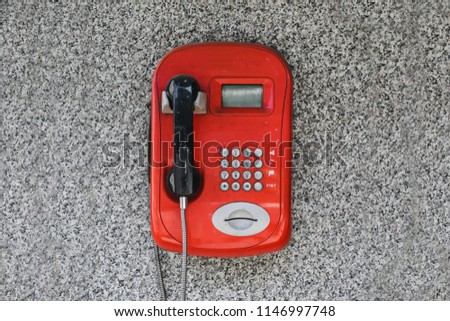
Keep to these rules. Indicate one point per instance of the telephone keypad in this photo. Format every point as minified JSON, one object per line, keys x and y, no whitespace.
{"x":241,"y":168}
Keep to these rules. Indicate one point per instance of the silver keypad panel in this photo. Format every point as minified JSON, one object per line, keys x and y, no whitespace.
{"x":241,"y":169}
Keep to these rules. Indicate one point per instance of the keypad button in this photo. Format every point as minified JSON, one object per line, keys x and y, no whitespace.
{"x":235,"y":175}
{"x":224,"y":163}
{"x":247,"y":152}
{"x":235,"y":186}
{"x":246,"y":186}
{"x":224,"y":186}
{"x":258,"y":163}
{"x":235,"y":152}
{"x":258,"y":186}
{"x":224,"y":152}
{"x":258,"y":175}
{"x":235,"y":163}
{"x":247,"y":163}
{"x":247,"y":175}
{"x":258,"y":152}
{"x":224,"y":175}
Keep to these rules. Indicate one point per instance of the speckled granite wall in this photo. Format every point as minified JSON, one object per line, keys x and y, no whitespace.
{"x":370,"y":211}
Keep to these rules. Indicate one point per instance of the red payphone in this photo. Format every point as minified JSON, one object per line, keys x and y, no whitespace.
{"x":221,"y":150}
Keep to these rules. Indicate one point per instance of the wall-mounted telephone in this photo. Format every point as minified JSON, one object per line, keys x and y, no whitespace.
{"x":221,"y":150}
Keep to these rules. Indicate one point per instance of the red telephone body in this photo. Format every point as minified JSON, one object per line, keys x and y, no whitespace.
{"x":214,"y":65}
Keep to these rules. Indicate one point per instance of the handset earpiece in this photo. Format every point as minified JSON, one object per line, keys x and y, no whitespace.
{"x":183,"y":179}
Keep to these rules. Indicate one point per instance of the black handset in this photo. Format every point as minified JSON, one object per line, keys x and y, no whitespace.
{"x":183,"y":179}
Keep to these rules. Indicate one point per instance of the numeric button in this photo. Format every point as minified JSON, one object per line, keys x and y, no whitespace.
{"x":247,"y":152}
{"x":224,"y":186}
{"x":235,"y":175}
{"x":224,"y":163}
{"x":247,"y":163}
{"x":258,"y":186}
{"x":224,"y":175}
{"x":258,"y":175}
{"x":258,"y":152}
{"x":235,"y":163}
{"x":224,"y":152}
{"x":258,"y":163}
{"x":247,"y":175}
{"x":235,"y":152}
{"x":247,"y":186}
{"x":235,"y":186}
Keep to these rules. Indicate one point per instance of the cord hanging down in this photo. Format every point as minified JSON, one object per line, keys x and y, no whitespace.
{"x":183,"y":205}
{"x":162,"y":289}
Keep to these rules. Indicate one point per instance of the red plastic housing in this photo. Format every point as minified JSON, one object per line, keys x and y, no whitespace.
{"x":268,"y":127}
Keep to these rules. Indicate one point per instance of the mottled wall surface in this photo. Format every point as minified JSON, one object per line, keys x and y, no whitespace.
{"x":371,"y":136}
